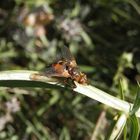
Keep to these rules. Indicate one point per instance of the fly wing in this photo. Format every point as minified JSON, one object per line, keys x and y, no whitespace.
{"x":56,"y":72}
{"x":66,"y":55}
{"x":51,"y":72}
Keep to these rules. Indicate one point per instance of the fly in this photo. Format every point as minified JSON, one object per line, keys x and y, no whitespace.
{"x":66,"y":68}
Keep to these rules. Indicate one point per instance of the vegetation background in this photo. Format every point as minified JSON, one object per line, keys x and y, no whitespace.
{"x":103,"y":36}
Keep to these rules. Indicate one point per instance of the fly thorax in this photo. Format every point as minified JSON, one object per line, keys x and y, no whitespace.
{"x":74,"y":72}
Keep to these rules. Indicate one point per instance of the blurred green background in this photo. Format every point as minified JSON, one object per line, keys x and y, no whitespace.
{"x":103,"y":36}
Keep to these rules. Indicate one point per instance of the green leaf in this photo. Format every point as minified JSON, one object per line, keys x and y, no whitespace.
{"x":136,"y":105}
{"x":125,"y":132}
{"x":65,"y":135}
{"x":134,"y":128}
{"x":121,"y":89}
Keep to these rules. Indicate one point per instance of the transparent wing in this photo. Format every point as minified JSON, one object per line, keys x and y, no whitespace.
{"x":50,"y":72}
{"x":66,"y":55}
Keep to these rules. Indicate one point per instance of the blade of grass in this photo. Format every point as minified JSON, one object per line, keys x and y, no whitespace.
{"x":13,"y":79}
{"x":136,"y":105}
{"x":135,"y":129}
{"x":125,"y":132}
{"x":65,"y":134}
{"x":121,"y":89}
{"x":118,"y":127}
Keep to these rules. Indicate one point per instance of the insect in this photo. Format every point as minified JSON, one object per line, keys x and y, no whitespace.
{"x":67,"y":68}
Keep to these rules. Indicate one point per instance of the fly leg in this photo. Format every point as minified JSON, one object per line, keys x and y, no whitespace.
{"x":69,"y":83}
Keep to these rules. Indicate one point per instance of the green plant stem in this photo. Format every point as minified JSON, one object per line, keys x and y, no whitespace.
{"x":87,"y":90}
